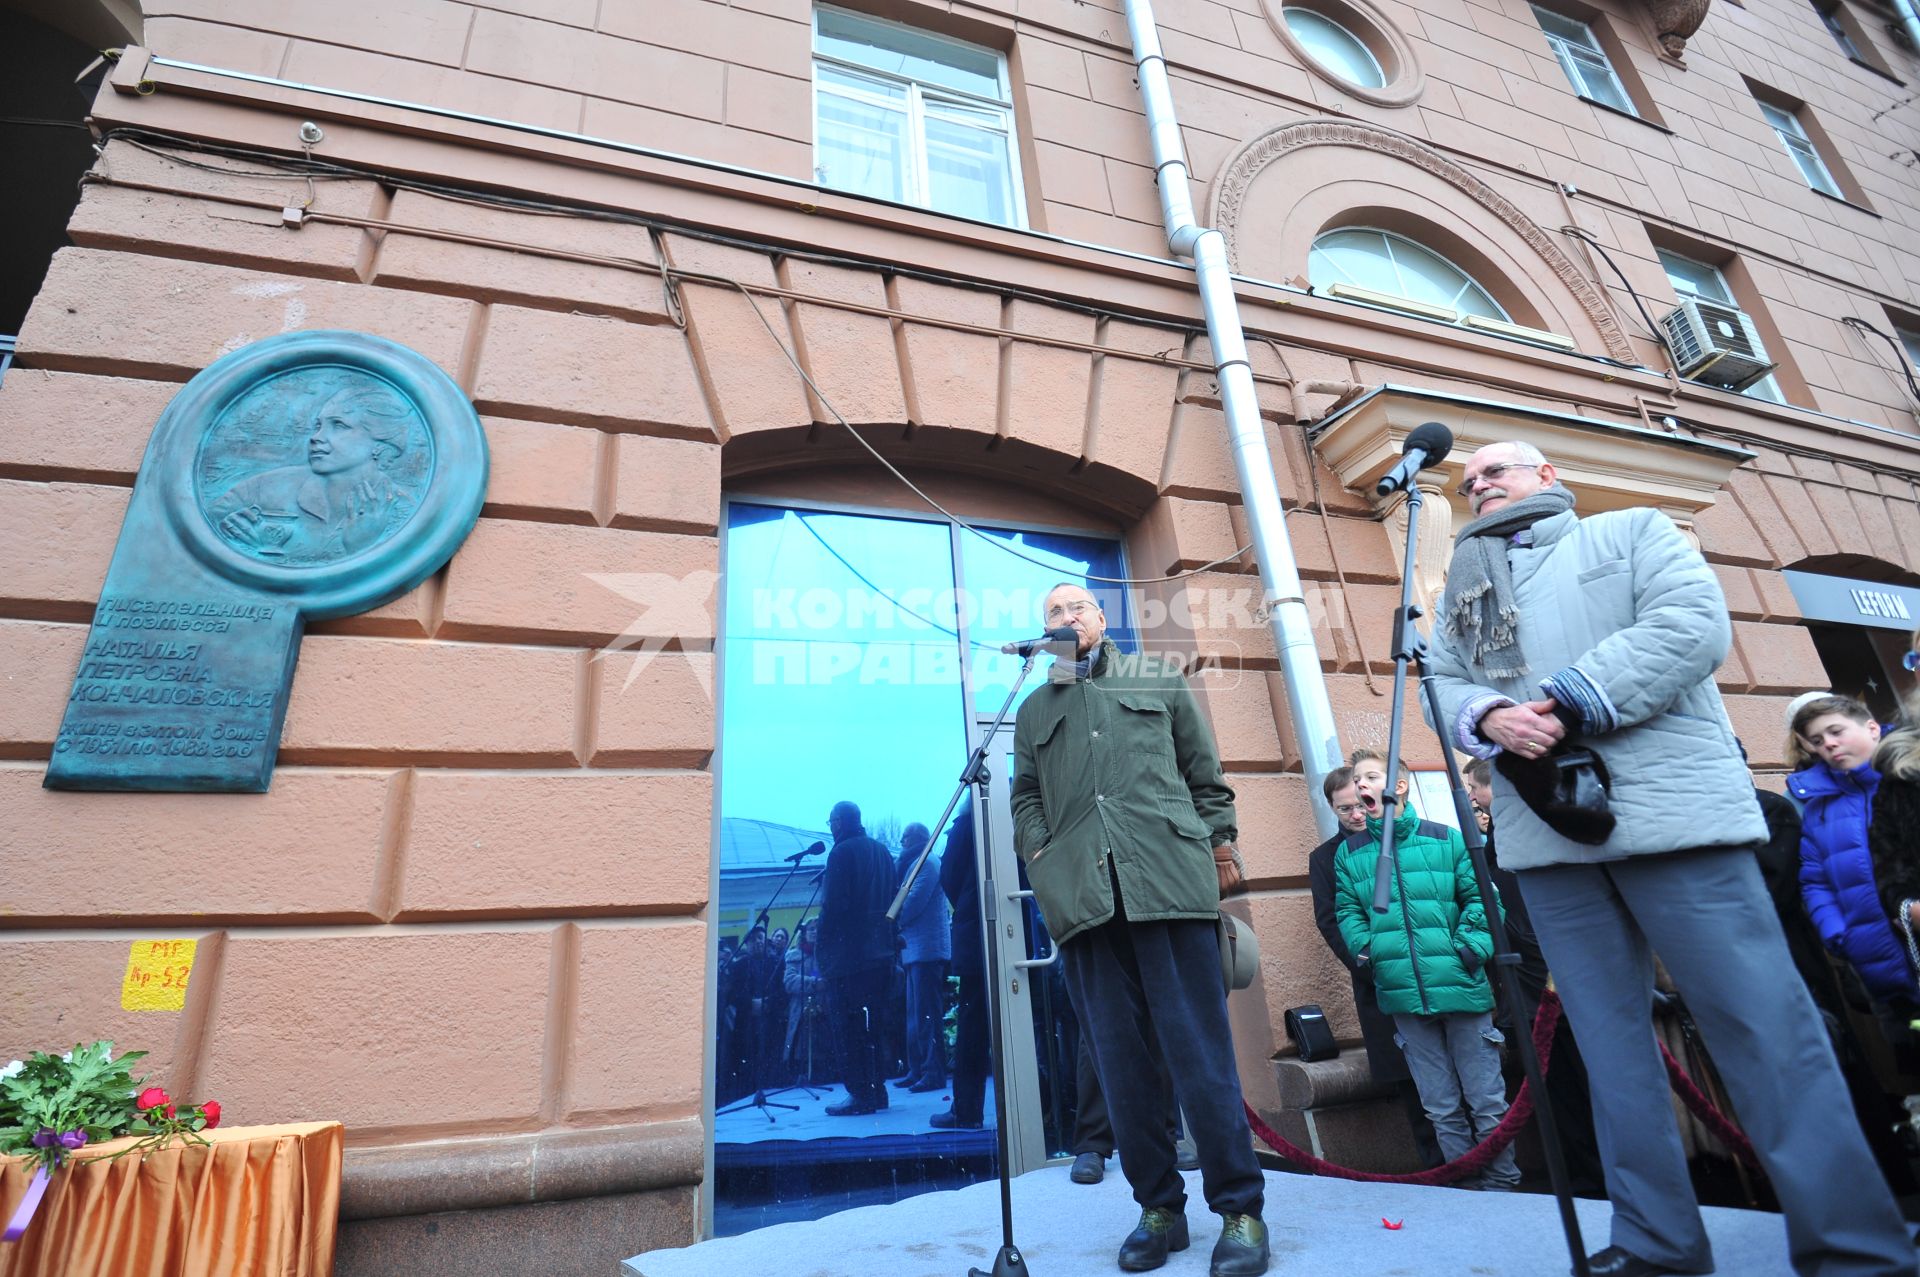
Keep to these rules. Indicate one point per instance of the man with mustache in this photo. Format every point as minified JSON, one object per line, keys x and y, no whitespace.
{"x":1126,"y":825}
{"x":1611,"y":627}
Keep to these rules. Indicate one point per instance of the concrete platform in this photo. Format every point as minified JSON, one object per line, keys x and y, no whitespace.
{"x":1318,"y":1226}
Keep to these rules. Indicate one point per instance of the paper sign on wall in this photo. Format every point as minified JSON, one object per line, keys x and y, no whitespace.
{"x":157,"y":972}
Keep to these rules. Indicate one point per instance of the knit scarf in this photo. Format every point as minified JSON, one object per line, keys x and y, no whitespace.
{"x":1478,"y":609}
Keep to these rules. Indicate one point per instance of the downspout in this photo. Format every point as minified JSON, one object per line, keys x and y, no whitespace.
{"x":1909,"y":22}
{"x":1307,"y":702}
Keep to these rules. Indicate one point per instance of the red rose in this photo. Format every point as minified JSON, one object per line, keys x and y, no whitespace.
{"x":212,"y":1109}
{"x":168,"y":1111}
{"x":151,"y":1098}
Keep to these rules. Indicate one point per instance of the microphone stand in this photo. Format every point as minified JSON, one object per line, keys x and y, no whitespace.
{"x":1410,"y":645}
{"x":757,"y":1049}
{"x":977,"y":776}
{"x":805,"y":997}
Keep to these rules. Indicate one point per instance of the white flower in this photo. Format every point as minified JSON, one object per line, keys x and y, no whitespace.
{"x":12,"y":1069}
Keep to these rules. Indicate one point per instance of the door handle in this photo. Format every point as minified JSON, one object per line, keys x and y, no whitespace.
{"x":1053,"y":950}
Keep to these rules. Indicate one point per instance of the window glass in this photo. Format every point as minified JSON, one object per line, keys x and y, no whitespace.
{"x":862,"y":135}
{"x":967,"y":166}
{"x":1334,"y":47}
{"x":1389,"y":263}
{"x":1697,"y":279}
{"x":903,"y":115}
{"x":842,"y":661}
{"x":1829,"y":11}
{"x":1910,"y":340}
{"x":908,"y":54}
{"x":1006,"y":592}
{"x":1793,"y":136}
{"x":1583,"y":59}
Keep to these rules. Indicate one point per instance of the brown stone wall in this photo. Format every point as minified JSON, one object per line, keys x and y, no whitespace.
{"x":474,"y":902}
{"x":1702,"y":170}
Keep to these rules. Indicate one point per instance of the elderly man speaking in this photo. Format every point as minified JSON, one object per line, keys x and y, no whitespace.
{"x":1605,"y":632}
{"x":1126,"y":825}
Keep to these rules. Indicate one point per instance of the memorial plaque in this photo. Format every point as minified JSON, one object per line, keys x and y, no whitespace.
{"x":307,"y":476}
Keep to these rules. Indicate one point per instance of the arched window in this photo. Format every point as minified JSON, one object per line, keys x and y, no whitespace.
{"x":1379,"y":266}
{"x":1335,"y":48}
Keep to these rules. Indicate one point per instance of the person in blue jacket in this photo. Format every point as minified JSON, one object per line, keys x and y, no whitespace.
{"x":1836,"y":867}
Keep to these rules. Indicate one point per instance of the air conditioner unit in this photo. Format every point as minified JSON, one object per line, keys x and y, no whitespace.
{"x":1716,"y":344}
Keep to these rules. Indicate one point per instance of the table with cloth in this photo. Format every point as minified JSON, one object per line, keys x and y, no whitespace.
{"x":252,"y":1200}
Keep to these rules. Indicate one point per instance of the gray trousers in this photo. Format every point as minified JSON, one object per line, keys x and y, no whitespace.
{"x":1708,"y":916}
{"x":1455,"y":1061}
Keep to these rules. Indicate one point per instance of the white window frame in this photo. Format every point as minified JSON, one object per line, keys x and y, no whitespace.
{"x":1584,"y":62}
{"x":1393,"y":237}
{"x":1806,"y":156}
{"x":918,"y":181}
{"x":1768,"y":387}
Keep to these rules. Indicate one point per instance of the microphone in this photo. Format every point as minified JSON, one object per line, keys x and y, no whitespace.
{"x":1065,"y":634}
{"x":799,"y":856}
{"x":1427,"y":444}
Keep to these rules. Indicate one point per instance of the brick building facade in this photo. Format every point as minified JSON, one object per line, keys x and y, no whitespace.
{"x":476,"y":916}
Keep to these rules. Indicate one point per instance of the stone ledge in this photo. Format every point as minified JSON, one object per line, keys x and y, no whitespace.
{"x":1317,"y":1084}
{"x":505,"y":1170}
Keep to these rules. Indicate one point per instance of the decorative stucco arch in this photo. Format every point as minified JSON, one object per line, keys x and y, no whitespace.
{"x":1285,"y":186}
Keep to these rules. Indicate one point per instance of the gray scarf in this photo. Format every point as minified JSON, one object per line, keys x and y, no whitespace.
{"x":1478,"y":609}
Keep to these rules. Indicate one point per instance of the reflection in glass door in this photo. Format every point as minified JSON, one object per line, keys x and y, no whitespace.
{"x":859,"y":661}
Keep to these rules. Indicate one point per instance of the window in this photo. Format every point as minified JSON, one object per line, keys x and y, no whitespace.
{"x":1335,"y":48}
{"x":1584,"y":60}
{"x":1829,"y":11}
{"x":1379,"y":266}
{"x":1793,"y":136}
{"x":1910,"y":342}
{"x":920,"y":119}
{"x":1692,"y":278}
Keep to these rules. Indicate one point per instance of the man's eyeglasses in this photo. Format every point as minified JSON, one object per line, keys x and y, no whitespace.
{"x":1911,"y":661}
{"x":1492,"y":475}
{"x":1348,"y":809}
{"x":1079,"y":607}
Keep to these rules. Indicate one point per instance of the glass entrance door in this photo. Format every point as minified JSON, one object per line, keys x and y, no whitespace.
{"x":859,"y":664}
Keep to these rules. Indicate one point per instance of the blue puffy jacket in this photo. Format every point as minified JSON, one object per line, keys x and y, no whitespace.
{"x":1836,"y":876}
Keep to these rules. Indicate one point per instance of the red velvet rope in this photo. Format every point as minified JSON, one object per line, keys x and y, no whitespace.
{"x":1481,"y":1155}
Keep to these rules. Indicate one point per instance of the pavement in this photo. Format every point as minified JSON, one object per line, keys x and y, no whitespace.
{"x":1318,"y":1227}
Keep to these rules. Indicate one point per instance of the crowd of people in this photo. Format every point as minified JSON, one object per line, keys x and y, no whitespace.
{"x":1573,"y":662}
{"x":856,"y":998}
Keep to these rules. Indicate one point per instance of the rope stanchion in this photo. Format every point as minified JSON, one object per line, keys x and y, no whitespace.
{"x":1710,"y":1117}
{"x":1476,"y":1159}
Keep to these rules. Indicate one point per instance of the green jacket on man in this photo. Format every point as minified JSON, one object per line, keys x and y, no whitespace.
{"x":1428,"y":951}
{"x":1116,"y":775}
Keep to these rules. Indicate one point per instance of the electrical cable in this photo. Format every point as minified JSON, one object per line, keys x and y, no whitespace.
{"x":320,"y":168}
{"x":1901,"y":359}
{"x":917,"y":491}
{"x":1654,"y":331}
{"x":343,"y":172}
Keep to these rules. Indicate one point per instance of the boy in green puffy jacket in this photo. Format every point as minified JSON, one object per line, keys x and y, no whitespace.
{"x":1426,"y":954}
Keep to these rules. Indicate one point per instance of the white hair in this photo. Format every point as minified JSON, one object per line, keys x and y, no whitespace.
{"x":1523,"y":452}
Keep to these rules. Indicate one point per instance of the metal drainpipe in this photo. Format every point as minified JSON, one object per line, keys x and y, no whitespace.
{"x":1307,"y":702}
{"x":1909,"y":21}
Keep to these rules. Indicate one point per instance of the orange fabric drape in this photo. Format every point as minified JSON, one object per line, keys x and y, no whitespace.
{"x":257,"y":1201}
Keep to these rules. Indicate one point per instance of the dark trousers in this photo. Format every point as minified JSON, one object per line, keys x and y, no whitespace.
{"x":926,"y":1004}
{"x":853,"y":1002}
{"x":970,"y":1043}
{"x":1150,"y":991}
{"x":1092,"y":1127}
